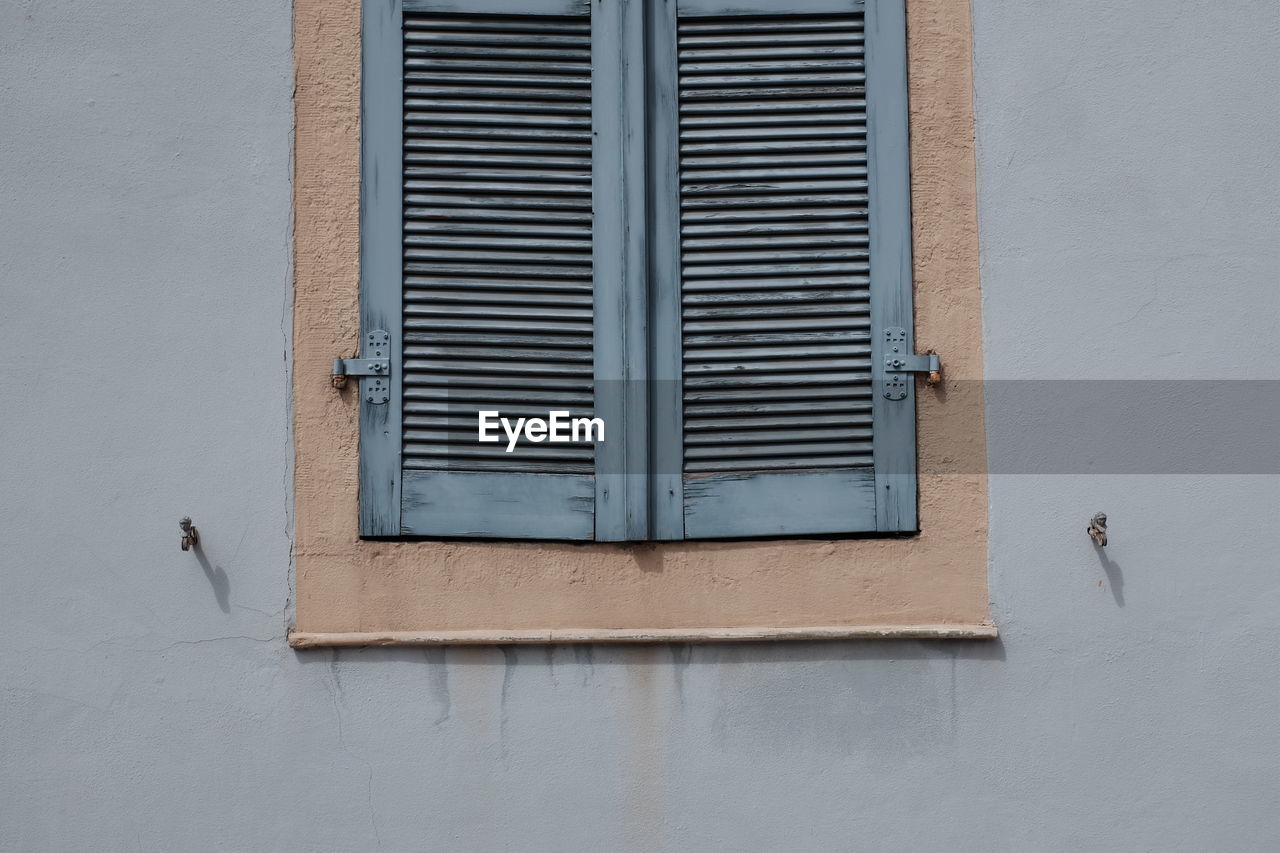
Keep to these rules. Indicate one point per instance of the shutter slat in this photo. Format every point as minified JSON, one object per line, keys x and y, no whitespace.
{"x":428,"y":215}
{"x":769,"y":296}
{"x":730,"y":90}
{"x":832,"y":415}
{"x":775,"y":33}
{"x":748,"y":383}
{"x":833,"y":68}
{"x":434,"y":147}
{"x":551,"y":159}
{"x":449,"y":292}
{"x":497,"y":247}
{"x":834,"y":347}
{"x":465,"y":52}
{"x":775,"y":463}
{"x":493,"y":40}
{"x":849,"y":155}
{"x":428,"y":24}
{"x":816,"y":282}
{"x":438,"y":415}
{"x":472,"y":229}
{"x":498,"y":289}
{"x":752,"y":144}
{"x":770,"y":53}
{"x":733,"y":28}
{"x":432,"y":59}
{"x":505,"y":241}
{"x":775,"y":247}
{"x":783,"y":172}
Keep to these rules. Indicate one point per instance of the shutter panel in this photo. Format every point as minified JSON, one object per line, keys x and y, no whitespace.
{"x":794,"y":256}
{"x":493,"y":277}
{"x":735,"y":307}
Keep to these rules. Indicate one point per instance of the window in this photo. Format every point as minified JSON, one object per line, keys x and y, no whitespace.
{"x":685,"y":225}
{"x":355,"y":590}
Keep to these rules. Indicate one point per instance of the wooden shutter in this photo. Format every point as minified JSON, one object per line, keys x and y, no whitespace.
{"x":477,"y":257}
{"x":789,"y":181}
{"x":695,"y":226}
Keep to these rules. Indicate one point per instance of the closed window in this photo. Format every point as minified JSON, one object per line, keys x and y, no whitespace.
{"x":638,"y":271}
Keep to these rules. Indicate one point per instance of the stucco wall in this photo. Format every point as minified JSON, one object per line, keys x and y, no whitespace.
{"x":1130,"y":226}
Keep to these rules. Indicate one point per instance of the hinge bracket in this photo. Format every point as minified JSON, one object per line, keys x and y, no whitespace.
{"x":374,"y":370}
{"x":899,"y":361}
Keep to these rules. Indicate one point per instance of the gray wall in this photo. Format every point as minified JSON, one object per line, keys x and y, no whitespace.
{"x":1130,"y":216}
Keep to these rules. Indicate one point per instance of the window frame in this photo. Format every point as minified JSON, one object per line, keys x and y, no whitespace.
{"x":353,"y":591}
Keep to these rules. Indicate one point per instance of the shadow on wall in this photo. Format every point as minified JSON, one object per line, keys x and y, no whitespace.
{"x":217,"y":579}
{"x":672,"y":654}
{"x":1115,"y":577}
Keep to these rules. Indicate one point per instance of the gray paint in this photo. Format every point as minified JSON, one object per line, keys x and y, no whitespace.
{"x":891,"y":308}
{"x":619,"y":266}
{"x":666,"y":352}
{"x":523,"y":335}
{"x":1129,"y":217}
{"x":381,"y":252}
{"x":832,"y":477}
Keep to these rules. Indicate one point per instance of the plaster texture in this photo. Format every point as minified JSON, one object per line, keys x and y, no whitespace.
{"x":1129,"y":220}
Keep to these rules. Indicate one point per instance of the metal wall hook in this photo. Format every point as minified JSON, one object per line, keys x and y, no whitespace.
{"x":1097,"y":529}
{"x":189,"y":535}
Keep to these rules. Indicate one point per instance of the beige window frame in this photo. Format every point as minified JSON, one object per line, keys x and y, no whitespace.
{"x":358,"y":592}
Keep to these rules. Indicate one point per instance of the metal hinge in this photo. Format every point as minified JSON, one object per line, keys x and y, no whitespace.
{"x":898,"y":360}
{"x":374,"y":370}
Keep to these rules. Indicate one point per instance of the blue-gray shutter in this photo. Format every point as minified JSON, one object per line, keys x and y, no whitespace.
{"x":735,"y":308}
{"x":791,"y":190}
{"x":477,"y":257}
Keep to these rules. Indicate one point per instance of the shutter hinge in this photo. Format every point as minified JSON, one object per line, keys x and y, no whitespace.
{"x":898,"y":361}
{"x":373,"y":370}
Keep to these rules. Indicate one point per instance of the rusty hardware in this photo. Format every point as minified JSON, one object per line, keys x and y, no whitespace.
{"x":935,"y":372}
{"x":189,"y":535}
{"x":373,"y":370}
{"x":1097,"y":529}
{"x":900,"y":361}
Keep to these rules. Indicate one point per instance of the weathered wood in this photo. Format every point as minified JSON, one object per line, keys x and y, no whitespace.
{"x":667,"y":415}
{"x":771,"y":8}
{"x":491,"y":7}
{"x":380,"y":271}
{"x":621,"y":292}
{"x":775,"y":263}
{"x":779,"y":504}
{"x":501,"y":504}
{"x":497,"y":261}
{"x":895,"y":421}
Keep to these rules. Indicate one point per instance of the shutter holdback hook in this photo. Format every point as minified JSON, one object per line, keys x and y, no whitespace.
{"x":190,"y":537}
{"x":1097,"y":529}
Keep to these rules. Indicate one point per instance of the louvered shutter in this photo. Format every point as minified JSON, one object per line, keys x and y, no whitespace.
{"x":789,"y":182}
{"x":695,"y":226}
{"x":477,"y":251}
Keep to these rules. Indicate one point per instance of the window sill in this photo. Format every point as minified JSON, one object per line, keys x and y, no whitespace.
{"x":321,"y":639}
